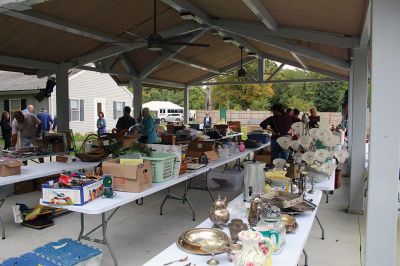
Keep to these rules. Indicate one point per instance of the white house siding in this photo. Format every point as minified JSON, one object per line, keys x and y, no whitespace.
{"x":88,"y":85}
{"x":29,"y":100}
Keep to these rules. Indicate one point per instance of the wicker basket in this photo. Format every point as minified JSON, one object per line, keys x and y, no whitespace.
{"x":97,"y":151}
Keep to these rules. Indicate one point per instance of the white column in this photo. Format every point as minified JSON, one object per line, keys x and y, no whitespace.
{"x":186,"y":107}
{"x":136,"y":84}
{"x":383,"y":176}
{"x":350,"y":117}
{"x":261,"y":69}
{"x":359,"y":125}
{"x":62,"y":98}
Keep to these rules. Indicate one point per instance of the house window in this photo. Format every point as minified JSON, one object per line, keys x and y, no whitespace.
{"x":15,"y":105}
{"x":118,"y":109}
{"x":74,"y":110}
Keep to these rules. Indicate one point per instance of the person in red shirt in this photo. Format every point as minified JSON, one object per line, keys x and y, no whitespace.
{"x":280,"y":124}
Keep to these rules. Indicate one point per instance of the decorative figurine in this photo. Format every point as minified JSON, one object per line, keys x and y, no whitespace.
{"x":219,"y":214}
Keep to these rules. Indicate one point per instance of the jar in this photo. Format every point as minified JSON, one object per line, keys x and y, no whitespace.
{"x":272,"y":227}
{"x":256,"y":250}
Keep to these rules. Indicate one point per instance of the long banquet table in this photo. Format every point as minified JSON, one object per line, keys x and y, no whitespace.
{"x":102,"y":205}
{"x":288,"y":257}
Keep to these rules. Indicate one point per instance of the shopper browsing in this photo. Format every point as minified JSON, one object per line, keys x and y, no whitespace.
{"x":28,"y":125}
{"x":126,"y":121}
{"x":46,"y":121}
{"x":280,"y":124}
{"x":6,"y":129}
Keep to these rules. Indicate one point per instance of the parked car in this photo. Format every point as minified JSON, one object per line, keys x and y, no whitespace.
{"x":173,"y":118}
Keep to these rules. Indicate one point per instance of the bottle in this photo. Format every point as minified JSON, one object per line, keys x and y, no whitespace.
{"x":242,"y":148}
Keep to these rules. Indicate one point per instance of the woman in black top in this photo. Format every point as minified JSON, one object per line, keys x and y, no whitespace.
{"x":314,"y":118}
{"x":6,"y":129}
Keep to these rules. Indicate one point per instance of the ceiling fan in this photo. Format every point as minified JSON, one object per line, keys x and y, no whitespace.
{"x":241,"y":72}
{"x":155,"y":42}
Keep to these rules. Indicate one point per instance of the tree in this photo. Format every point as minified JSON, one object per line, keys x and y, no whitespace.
{"x":328,"y":96}
{"x":241,"y":97}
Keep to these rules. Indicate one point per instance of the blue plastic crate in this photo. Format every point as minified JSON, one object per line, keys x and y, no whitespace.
{"x":67,"y":252}
{"x":28,"y":259}
{"x":263,"y":138}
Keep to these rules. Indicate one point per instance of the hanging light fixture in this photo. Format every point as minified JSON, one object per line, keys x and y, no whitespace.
{"x":241,"y":72}
{"x":252,"y":54}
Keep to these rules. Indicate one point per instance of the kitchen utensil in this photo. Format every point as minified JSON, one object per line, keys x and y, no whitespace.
{"x":180,"y":260}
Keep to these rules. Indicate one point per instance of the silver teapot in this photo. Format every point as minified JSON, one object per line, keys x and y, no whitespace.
{"x":219,"y":214}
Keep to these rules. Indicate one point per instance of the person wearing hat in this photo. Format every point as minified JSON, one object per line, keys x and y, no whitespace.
{"x":46,"y":121}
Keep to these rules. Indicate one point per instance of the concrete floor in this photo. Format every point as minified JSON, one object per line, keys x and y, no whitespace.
{"x":138,"y":232}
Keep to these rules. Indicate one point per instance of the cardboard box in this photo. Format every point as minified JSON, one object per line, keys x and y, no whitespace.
{"x":57,"y":147}
{"x":129,"y":140}
{"x":77,"y":196}
{"x":266,"y":158}
{"x":24,"y":187}
{"x":201,"y":146}
{"x":65,"y":159}
{"x":196,"y":154}
{"x":129,"y":177}
{"x":10,"y":167}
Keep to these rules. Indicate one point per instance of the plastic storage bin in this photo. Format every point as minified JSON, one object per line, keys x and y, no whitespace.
{"x":226,"y":179}
{"x":28,"y":259}
{"x":68,"y":252}
{"x":162,"y":165}
{"x":263,"y":138}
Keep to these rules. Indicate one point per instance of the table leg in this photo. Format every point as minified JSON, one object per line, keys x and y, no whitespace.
{"x":206,"y":187}
{"x":3,"y":229}
{"x":104,"y":222}
{"x":184,"y":199}
{"x":105,"y":241}
{"x":322,"y":228}
{"x":327,"y":196}
{"x":82,"y":226}
{"x":305,"y":258}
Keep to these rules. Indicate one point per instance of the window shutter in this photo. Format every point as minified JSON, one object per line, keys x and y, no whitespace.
{"x":23,"y":104}
{"x":82,"y":110}
{"x":69,"y":109}
{"x":7,"y":105}
{"x":114,"y":110}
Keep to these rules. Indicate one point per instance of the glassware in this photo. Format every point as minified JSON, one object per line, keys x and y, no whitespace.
{"x":272,"y":227}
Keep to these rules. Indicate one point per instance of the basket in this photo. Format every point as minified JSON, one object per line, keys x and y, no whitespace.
{"x":97,"y":151}
{"x":162,"y":165}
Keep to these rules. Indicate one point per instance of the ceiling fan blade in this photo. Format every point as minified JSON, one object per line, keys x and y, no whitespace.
{"x":187,"y":44}
{"x":133,"y":34}
{"x":133,"y":41}
{"x":178,"y":37}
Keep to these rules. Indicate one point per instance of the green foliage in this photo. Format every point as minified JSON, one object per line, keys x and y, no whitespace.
{"x":241,"y":97}
{"x":326,"y":97}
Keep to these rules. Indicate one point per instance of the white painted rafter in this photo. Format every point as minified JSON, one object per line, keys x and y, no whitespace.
{"x":299,"y":60}
{"x":366,"y":30}
{"x":27,"y":63}
{"x":184,"y":5}
{"x":262,"y":13}
{"x":194,"y":64}
{"x":166,"y":55}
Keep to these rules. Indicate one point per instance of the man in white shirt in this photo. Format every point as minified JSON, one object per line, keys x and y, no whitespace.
{"x":28,"y":125}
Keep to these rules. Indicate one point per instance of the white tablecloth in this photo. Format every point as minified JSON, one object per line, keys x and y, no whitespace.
{"x":288,"y":257}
